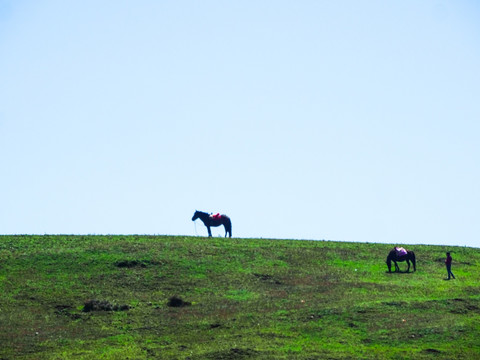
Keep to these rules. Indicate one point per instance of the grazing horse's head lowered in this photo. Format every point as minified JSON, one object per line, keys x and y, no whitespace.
{"x":214,"y":220}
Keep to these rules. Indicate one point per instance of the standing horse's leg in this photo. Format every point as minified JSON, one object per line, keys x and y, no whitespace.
{"x":228,"y":229}
{"x":209,"y":231}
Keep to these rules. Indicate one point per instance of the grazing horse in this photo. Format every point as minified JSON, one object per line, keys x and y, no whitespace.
{"x":214,"y":220}
{"x":393,"y":256}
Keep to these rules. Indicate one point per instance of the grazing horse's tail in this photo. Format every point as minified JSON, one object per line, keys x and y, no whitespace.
{"x":414,"y":262}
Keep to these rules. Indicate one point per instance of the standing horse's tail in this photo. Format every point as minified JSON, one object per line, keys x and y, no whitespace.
{"x":414,"y":262}
{"x":228,"y":226}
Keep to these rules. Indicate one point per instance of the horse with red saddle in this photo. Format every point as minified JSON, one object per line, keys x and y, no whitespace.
{"x":217,"y":219}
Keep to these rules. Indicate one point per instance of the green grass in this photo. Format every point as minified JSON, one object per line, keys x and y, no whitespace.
{"x":247,"y":298}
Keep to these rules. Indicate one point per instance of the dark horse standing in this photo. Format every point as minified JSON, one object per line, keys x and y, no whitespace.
{"x":392,"y":256}
{"x":210,"y":220}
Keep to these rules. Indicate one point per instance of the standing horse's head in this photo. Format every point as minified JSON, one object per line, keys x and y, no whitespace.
{"x":196,"y":215}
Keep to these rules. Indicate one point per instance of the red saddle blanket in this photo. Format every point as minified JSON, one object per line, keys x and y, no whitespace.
{"x":216,"y":216}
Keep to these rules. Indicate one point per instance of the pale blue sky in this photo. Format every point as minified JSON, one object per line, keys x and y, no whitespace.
{"x":338,"y":120}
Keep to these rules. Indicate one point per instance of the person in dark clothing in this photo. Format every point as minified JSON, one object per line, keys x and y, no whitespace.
{"x":448,"y":263}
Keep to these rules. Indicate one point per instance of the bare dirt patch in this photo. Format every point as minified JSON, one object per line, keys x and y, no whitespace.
{"x":233,"y":353}
{"x":175,"y":301}
{"x":135,"y":263}
{"x":268,"y":278}
{"x":432,"y":351}
{"x":103,"y":305}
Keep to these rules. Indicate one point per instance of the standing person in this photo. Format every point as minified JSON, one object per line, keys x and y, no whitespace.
{"x":448,"y":263}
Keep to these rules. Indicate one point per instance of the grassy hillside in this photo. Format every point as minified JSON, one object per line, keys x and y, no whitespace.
{"x":110,"y":297}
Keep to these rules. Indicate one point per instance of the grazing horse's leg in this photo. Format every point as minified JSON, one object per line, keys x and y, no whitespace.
{"x":408,"y":263}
